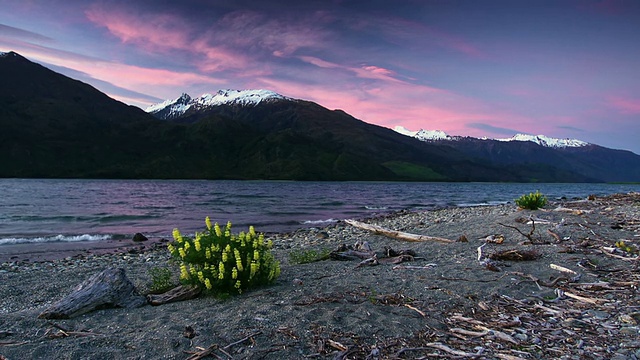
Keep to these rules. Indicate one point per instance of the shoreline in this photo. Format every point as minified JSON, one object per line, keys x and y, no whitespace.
{"x":51,"y":251}
{"x":446,"y":303}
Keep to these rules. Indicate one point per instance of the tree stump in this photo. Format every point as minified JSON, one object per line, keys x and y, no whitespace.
{"x":110,"y":288}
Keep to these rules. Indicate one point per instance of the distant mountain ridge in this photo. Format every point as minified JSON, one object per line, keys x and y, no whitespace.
{"x":55,"y":126}
{"x":578,"y":156}
{"x":542,"y":140}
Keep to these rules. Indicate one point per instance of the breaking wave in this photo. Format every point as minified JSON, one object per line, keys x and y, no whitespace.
{"x":57,"y":238}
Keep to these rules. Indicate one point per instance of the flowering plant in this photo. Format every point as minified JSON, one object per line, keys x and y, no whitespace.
{"x":223,"y":262}
{"x":533,"y":201}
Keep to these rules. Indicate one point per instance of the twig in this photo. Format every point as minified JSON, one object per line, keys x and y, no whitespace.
{"x":438,"y":346}
{"x":413,"y":267}
{"x":416,"y":310}
{"x":243,"y":340}
{"x":529,"y":235}
{"x":210,"y":350}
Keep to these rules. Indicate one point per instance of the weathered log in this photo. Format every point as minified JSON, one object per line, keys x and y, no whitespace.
{"x":399,"y":235}
{"x":110,"y":288}
{"x":179,"y":293}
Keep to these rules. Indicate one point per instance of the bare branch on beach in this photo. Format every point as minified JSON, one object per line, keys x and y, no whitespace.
{"x":399,"y":235}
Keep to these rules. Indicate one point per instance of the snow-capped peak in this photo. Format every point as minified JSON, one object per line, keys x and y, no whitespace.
{"x":424,"y":135}
{"x":179,"y":105}
{"x":547,"y":141}
{"x":542,"y":140}
{"x":176,"y":107}
{"x":241,"y":97}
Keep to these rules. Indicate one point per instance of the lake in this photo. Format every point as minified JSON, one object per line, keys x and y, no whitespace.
{"x":39,"y":210}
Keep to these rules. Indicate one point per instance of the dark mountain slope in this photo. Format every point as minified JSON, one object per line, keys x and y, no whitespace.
{"x":591,"y":161}
{"x":54,"y":126}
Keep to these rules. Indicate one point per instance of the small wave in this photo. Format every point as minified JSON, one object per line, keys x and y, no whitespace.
{"x":371,"y":207}
{"x":120,"y":218}
{"x":318,"y":222}
{"x":488,"y":203}
{"x":57,"y":238}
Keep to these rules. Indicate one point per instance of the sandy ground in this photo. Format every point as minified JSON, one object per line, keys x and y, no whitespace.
{"x":444,"y":304}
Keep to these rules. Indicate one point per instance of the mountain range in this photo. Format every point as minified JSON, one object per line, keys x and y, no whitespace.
{"x":53,"y":126}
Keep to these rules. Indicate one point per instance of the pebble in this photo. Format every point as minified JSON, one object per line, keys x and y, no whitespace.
{"x":630,"y":330}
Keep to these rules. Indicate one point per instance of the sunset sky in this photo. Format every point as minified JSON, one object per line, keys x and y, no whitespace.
{"x":565,"y":69}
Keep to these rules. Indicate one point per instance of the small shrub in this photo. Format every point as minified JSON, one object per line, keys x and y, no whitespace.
{"x":532,"y":201}
{"x":629,"y":249}
{"x":308,"y":256}
{"x":222,"y":262}
{"x":160,"y":279}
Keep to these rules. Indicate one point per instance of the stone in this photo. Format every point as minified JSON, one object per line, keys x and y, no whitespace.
{"x":138,"y":237}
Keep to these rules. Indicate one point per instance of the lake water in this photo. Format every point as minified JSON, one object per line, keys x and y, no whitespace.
{"x":35,"y":210}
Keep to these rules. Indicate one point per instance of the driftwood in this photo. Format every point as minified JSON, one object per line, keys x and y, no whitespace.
{"x":110,"y":288}
{"x":399,"y":235}
{"x":362,"y":250}
{"x":179,"y":293}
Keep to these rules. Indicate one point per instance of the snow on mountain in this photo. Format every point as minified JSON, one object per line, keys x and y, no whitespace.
{"x":174,"y":106}
{"x":180,"y":105}
{"x":424,"y":135}
{"x":547,"y":141}
{"x":433,"y":135}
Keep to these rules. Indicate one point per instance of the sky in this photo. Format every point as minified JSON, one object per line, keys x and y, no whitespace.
{"x":482,"y":68}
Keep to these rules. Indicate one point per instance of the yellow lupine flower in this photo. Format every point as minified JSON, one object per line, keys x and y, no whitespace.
{"x":201,"y":276}
{"x":225,"y":256}
{"x":236,"y":252}
{"x":171,"y":248}
{"x":270,"y":244}
{"x":234,"y":273}
{"x":238,"y":284}
{"x":193,"y":271}
{"x":176,"y":235}
{"x":184,"y":274}
{"x":254,"y":269}
{"x":196,"y":242}
{"x":256,"y":255}
{"x":217,"y":230}
{"x":221,"y":270}
{"x":187,"y":245}
{"x":182,"y":253}
{"x":207,"y":283}
{"x":252,"y":231}
{"x":207,"y":253}
{"x":208,"y":222}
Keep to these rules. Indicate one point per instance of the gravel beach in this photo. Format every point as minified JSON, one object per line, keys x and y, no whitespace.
{"x":576,"y":298}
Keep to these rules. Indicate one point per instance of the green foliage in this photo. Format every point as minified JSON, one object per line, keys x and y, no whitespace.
{"x":629,"y":249}
{"x":308,"y":256}
{"x":532,"y":201}
{"x":160,"y":279}
{"x":223,"y":262}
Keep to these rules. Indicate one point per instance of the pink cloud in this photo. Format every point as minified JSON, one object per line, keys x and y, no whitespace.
{"x":624,"y":105}
{"x":388,"y":104}
{"x":165,"y":33}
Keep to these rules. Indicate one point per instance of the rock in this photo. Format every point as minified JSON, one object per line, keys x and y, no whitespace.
{"x":110,"y":288}
{"x":138,"y":237}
